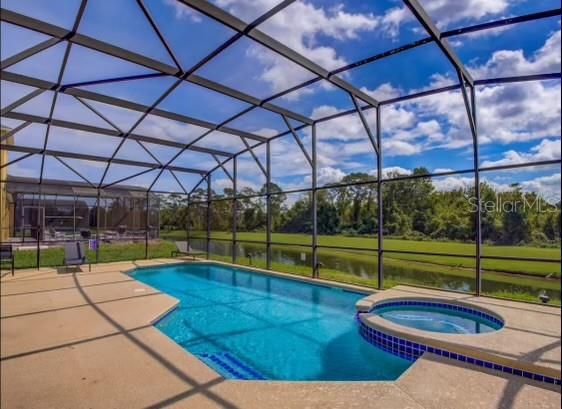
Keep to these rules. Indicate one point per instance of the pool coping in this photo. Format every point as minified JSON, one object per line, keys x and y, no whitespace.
{"x":315,"y":281}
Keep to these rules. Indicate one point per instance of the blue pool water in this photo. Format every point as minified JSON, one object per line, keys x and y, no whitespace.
{"x":252,"y":326}
{"x":437,"y":319}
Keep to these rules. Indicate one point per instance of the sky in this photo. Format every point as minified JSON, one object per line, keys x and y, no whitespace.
{"x":517,"y":123}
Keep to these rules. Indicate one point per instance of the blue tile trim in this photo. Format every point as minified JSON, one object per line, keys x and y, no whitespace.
{"x":412,"y":351}
{"x":229,"y":366}
{"x":448,"y":306}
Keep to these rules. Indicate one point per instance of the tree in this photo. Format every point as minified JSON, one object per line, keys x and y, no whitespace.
{"x":515,"y":220}
{"x":328,"y":219}
{"x":298,"y":217}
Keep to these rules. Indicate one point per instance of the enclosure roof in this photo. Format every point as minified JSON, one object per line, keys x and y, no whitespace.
{"x":160,"y":94}
{"x":66,"y":188}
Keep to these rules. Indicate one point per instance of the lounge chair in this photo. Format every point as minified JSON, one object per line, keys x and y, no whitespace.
{"x":7,"y":255}
{"x":75,"y":254}
{"x":182,"y":248}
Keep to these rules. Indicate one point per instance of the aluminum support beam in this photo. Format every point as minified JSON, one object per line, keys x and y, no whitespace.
{"x":14,"y":131}
{"x":269,"y":219}
{"x":419,"y":12}
{"x":21,"y":101}
{"x":224,"y":169}
{"x":29,"y":52}
{"x":380,"y":221}
{"x":365,"y":124}
{"x":298,"y":140}
{"x":94,"y":158}
{"x":469,"y":103}
{"x":146,"y":225}
{"x":256,"y":159}
{"x":109,"y":49}
{"x":218,"y":14}
{"x":209,"y":214}
{"x":234,"y":209}
{"x":98,"y":216}
{"x":121,"y":103}
{"x":108,"y":132}
{"x":62,"y":70}
{"x":502,"y":22}
{"x":314,"y":206}
{"x":477,"y":187}
{"x":75,"y":171}
{"x":157,"y":31}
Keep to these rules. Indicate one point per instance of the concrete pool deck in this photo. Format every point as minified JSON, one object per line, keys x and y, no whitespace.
{"x":85,"y":340}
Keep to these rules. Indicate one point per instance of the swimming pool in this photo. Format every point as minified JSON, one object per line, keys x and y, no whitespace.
{"x":248,"y":325}
{"x":438,"y":317}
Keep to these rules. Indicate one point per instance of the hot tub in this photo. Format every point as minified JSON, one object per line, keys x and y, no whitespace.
{"x":437,"y":317}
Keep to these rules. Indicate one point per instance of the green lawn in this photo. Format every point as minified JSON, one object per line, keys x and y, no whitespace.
{"x":510,"y":266}
{"x":54,"y":257}
{"x":433,"y":271}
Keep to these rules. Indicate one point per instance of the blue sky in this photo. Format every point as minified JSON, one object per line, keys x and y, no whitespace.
{"x":518,"y":123}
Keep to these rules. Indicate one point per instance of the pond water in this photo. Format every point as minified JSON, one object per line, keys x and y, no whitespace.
{"x":348,"y":263}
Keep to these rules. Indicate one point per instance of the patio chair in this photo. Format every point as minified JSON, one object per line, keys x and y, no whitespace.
{"x":7,"y":255}
{"x":75,"y":254}
{"x":182,"y":248}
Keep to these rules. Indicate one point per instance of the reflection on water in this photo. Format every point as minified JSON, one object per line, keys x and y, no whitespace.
{"x":348,"y":263}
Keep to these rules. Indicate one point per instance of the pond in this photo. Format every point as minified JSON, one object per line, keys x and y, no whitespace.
{"x":363,"y":264}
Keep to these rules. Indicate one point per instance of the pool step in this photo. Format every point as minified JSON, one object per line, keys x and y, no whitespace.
{"x":225,"y":362}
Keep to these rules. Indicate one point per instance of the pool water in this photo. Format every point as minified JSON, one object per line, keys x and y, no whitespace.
{"x":252,"y":326}
{"x":437,"y":319}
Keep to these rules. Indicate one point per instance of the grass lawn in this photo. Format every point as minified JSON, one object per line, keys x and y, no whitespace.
{"x":54,"y":257}
{"x":433,"y":271}
{"x":510,"y":266}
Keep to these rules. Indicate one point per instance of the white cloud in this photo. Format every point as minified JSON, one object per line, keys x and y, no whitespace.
{"x":344,"y":128}
{"x":547,"y":187}
{"x":299,"y":27}
{"x":514,"y":62}
{"x":323,"y":111}
{"x":394,"y":170}
{"x":219,"y":184}
{"x":246,"y":9}
{"x":158,"y":127}
{"x":252,"y":184}
{"x":383,"y":92}
{"x":394,"y":18}
{"x":547,"y":149}
{"x":518,"y":112}
{"x":327,"y":175}
{"x":399,"y":148}
{"x":223,"y":141}
{"x":287,"y":159}
{"x":450,"y":183}
{"x":440,"y":80}
{"x":266,"y":132}
{"x":183,"y":12}
{"x":447,"y":12}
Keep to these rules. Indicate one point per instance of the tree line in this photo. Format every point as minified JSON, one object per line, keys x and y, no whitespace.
{"x":412,"y":209}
